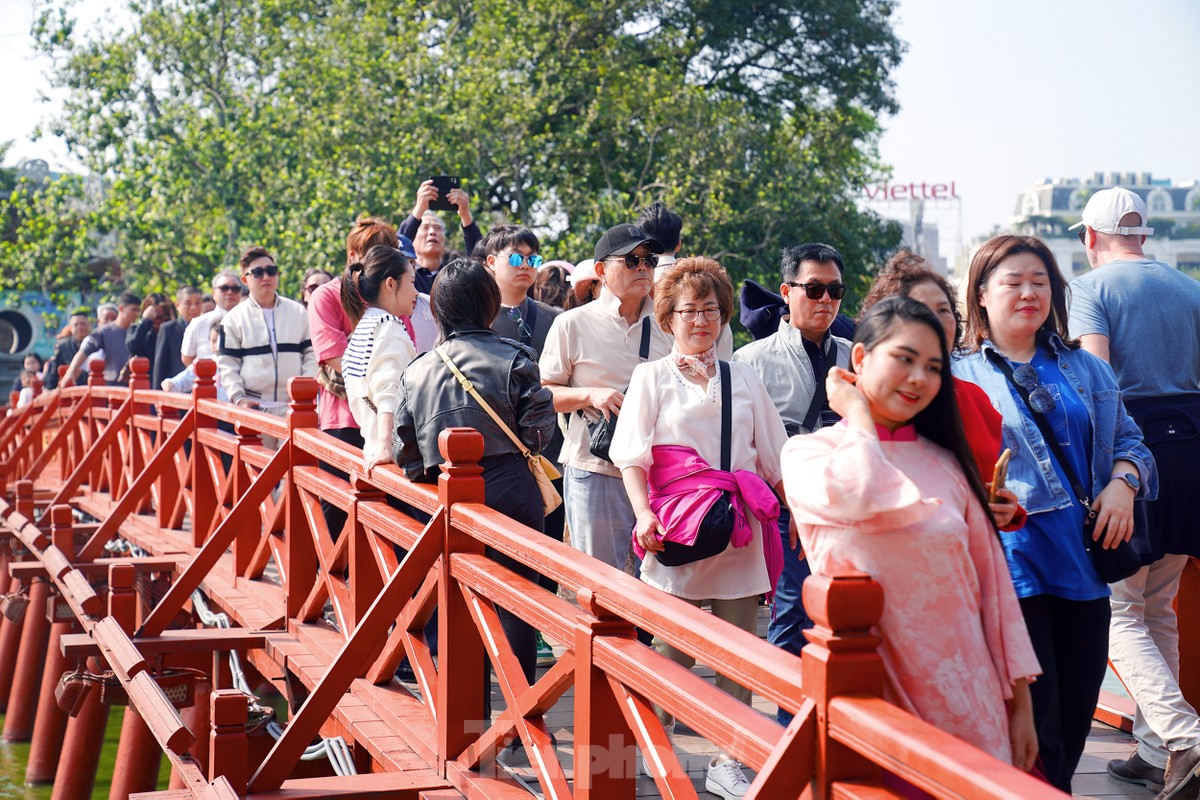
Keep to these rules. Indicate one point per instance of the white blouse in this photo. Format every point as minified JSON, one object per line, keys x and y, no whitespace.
{"x":661,"y":408}
{"x":376,"y":355}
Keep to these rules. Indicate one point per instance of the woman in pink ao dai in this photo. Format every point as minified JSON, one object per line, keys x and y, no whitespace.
{"x":891,"y":491}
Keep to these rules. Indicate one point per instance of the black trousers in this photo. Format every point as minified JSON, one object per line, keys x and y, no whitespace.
{"x":509,"y":488}
{"x":1070,"y":638}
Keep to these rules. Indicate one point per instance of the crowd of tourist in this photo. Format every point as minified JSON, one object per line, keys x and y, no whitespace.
{"x":875,"y":450}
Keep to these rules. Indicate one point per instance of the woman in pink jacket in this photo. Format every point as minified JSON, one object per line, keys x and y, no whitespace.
{"x":673,"y":404}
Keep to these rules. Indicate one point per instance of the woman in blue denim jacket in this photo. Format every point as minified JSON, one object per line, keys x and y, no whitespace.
{"x":1017,"y":313}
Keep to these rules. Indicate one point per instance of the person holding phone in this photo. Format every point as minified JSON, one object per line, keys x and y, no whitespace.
{"x":892,"y":490}
{"x":1019,"y":353}
{"x":908,"y":275}
{"x":428,"y":232}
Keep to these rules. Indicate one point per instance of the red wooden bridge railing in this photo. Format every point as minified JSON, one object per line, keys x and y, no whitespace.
{"x":217,"y":518}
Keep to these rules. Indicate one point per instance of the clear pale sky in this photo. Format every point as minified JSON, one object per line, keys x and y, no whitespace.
{"x":995,"y":95}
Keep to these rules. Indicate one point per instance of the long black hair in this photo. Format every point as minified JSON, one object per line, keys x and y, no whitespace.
{"x":364,"y":279}
{"x":940,"y":421}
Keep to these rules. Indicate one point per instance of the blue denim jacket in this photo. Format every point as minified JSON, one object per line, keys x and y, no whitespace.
{"x":1115,"y":436}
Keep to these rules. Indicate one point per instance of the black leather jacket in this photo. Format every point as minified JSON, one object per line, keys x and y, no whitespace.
{"x":504,"y":372}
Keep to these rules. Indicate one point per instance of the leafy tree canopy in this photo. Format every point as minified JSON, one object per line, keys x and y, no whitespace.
{"x":216,"y":124}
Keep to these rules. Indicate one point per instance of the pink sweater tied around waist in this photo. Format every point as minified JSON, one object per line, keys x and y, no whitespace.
{"x":683,"y":487}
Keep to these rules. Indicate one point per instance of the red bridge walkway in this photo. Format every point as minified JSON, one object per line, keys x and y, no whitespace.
{"x":156,"y":553}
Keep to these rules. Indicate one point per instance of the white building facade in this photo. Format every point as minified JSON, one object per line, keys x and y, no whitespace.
{"x":1047,"y":209}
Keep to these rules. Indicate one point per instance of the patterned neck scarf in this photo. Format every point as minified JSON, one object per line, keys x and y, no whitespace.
{"x":698,"y":365}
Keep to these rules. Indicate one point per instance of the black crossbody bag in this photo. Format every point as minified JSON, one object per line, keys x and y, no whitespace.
{"x":601,"y":431}
{"x":1111,"y":565}
{"x":716,"y":529}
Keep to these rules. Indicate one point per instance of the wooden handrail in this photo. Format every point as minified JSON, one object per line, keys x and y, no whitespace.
{"x":264,"y":505}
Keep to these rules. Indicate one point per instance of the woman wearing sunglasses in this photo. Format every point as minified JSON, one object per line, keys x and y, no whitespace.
{"x":1038,"y":378}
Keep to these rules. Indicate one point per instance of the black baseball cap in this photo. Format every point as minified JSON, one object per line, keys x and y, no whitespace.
{"x":622,"y":239}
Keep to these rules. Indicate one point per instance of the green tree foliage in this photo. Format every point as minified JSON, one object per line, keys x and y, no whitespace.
{"x":222,"y":123}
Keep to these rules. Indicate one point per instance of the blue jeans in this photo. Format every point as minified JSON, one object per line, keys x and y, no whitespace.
{"x":789,"y":620}
{"x":599,"y":515}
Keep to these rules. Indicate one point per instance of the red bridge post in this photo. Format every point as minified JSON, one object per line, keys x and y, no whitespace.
{"x":842,"y":658}
{"x":51,"y":722}
{"x":228,"y":753}
{"x":31,"y":652}
{"x":298,"y":544}
{"x":138,"y":752}
{"x":460,"y":682}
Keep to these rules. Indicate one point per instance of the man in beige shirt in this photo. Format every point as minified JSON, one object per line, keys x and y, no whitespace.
{"x":587,"y":362}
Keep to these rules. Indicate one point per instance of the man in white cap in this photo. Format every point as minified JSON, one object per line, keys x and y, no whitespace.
{"x":1143,"y":317}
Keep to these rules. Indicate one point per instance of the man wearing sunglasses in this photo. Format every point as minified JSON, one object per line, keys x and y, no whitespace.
{"x":227,"y":293}
{"x":793,"y":363}
{"x":1143,"y":317}
{"x":264,"y":341}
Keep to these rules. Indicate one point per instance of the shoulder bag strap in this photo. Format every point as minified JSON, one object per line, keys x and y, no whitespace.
{"x":470,"y":387}
{"x":531,"y":319}
{"x":726,"y":417}
{"x":817,"y":404}
{"x":644,"y":350}
{"x":1044,"y":426}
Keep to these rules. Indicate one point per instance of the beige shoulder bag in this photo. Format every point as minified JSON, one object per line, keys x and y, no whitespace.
{"x":542,"y":468}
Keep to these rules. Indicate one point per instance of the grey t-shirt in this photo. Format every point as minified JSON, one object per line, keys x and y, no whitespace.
{"x":1151,"y":316}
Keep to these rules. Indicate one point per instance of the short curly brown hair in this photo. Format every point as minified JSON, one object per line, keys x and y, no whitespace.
{"x":691,"y":278}
{"x":904,"y":272}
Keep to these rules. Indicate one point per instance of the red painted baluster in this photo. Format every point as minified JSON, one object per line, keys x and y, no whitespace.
{"x":51,"y":722}
{"x":842,"y":658}
{"x":138,"y":753}
{"x":461,"y":653}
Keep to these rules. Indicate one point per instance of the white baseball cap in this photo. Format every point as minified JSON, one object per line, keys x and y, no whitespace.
{"x":1104,"y":210}
{"x":584,"y":271}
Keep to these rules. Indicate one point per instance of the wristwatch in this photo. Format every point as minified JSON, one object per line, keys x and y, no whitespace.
{"x":1131,"y":481}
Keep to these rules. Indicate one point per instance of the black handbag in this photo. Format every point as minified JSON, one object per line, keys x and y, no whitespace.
{"x":1111,"y":564}
{"x":600,"y":432}
{"x":716,"y":529}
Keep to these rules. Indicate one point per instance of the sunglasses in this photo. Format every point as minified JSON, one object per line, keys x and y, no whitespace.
{"x":815,"y":291}
{"x":518,"y":260}
{"x":1082,"y":234}
{"x":230,"y":287}
{"x":632,"y":261}
{"x":1040,"y":399}
{"x":523,"y":331}
{"x":269,"y":271}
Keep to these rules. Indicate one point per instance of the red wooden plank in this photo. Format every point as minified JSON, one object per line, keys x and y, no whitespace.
{"x":120,"y":653}
{"x":157,"y":712}
{"x":927,"y":757}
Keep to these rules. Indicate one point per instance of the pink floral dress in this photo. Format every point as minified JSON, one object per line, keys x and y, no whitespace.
{"x":897,"y":507}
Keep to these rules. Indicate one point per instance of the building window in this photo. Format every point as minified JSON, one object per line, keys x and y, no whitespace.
{"x":1077,"y":200}
{"x":1192,"y":203}
{"x":1160,"y":202}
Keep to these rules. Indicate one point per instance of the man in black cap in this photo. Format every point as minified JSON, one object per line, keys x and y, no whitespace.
{"x":587,"y":361}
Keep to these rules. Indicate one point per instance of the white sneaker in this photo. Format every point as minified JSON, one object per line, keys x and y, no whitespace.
{"x":726,"y":779}
{"x":670,"y":729}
